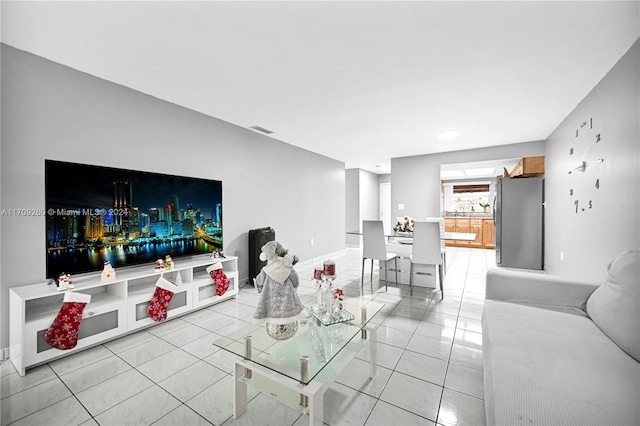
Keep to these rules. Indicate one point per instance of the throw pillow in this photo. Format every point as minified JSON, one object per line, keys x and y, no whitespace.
{"x":615,"y":305}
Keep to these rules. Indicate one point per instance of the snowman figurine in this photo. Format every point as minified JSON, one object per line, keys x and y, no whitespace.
{"x":64,"y":282}
{"x":108,"y":273}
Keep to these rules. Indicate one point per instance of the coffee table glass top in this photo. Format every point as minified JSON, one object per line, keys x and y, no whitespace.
{"x":320,"y":343}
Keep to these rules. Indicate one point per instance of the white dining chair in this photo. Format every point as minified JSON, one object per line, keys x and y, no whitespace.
{"x":374,"y":247}
{"x":443,"y":247}
{"x":426,"y":250}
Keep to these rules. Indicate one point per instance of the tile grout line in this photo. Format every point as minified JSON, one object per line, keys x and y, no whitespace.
{"x":457,"y":255}
{"x":453,"y":341}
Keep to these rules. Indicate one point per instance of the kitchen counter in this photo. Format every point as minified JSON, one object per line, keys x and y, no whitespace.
{"x":480,"y":224}
{"x":470,"y":215}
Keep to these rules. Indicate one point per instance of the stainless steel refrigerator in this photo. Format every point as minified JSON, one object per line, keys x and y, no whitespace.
{"x":519,"y":222}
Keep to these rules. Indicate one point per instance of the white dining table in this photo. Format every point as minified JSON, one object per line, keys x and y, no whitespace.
{"x":406,"y":238}
{"x":401,"y":244}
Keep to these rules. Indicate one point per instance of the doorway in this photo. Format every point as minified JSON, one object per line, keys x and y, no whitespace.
{"x":385,"y":206}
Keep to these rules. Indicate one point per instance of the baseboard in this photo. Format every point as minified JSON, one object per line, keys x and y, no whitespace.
{"x":312,"y":261}
{"x":320,"y":259}
{"x":4,"y":354}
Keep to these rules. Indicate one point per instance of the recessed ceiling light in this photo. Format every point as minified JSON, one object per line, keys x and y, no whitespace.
{"x":261,"y":129}
{"x":448,"y":134}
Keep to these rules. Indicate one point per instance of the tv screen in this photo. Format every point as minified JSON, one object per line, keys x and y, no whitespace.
{"x":96,"y":214}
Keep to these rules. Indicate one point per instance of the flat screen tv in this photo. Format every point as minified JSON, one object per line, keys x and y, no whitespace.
{"x":96,"y":214}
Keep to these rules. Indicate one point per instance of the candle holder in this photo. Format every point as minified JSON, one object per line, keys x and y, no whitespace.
{"x":324,"y":276}
{"x":328,"y":310}
{"x":317,"y":273}
{"x":329,"y":268}
{"x":326,"y":297}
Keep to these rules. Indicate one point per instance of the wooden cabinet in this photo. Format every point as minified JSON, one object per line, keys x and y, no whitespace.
{"x":528,"y":167}
{"x":488,"y":233}
{"x":463,"y":225}
{"x":450,"y":226}
{"x":483,"y":228}
{"x":116,"y":308}
{"x":476,"y":228}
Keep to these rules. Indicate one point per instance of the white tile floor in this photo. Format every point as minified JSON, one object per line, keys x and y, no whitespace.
{"x":430,"y":364}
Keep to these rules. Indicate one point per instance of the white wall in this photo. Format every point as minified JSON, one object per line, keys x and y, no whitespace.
{"x":362,"y":203}
{"x":369,"y":196}
{"x":53,"y":112}
{"x":590,"y":239}
{"x":415,"y":181}
{"x":352,"y":205}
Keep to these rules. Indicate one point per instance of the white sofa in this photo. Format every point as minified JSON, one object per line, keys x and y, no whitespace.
{"x":562,"y":352}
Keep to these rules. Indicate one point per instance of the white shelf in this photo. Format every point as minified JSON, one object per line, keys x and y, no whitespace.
{"x":141,"y":289}
{"x":34,"y":307}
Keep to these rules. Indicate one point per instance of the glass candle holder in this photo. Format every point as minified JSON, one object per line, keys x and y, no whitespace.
{"x":317,"y":273}
{"x":329,"y":268}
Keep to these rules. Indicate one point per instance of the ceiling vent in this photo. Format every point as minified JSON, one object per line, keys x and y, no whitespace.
{"x":261,"y":129}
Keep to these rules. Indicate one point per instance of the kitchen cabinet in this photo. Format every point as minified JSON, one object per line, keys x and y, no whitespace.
{"x":475,"y":227}
{"x":463,"y":225}
{"x":450,"y":226}
{"x":483,"y":228}
{"x":528,"y":167}
{"x":488,"y":233}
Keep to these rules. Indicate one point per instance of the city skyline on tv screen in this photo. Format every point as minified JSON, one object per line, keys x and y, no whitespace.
{"x":96,"y":214}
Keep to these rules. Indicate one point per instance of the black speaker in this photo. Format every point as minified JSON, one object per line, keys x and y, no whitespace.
{"x":258,"y":238}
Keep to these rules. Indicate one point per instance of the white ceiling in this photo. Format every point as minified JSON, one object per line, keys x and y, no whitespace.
{"x":361,"y":82}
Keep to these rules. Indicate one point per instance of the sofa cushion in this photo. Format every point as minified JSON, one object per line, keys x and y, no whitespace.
{"x":545,"y":367}
{"x":615,"y":305}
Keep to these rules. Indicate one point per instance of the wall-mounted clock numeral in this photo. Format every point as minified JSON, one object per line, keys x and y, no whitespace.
{"x":576,"y":203}
{"x":597,"y":184}
{"x":590,"y":204}
{"x":576,"y":133}
{"x":571,"y":192}
{"x":584,"y":123}
{"x":590,"y":122}
{"x":598,"y":138}
{"x":571,"y":151}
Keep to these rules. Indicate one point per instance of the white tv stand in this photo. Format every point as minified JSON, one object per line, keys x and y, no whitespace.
{"x":117,"y":308}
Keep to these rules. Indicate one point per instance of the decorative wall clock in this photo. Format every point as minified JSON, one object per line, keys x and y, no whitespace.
{"x":585,"y":179}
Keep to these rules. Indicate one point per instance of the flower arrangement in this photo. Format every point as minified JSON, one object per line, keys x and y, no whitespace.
{"x":336,"y":305}
{"x":337,"y":294}
{"x":484,"y":206}
{"x":404,"y":224}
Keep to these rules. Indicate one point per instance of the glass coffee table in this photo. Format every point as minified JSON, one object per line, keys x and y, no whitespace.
{"x":298,"y":370}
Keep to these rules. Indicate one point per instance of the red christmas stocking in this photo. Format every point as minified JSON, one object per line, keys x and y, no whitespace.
{"x":219,"y":278}
{"x":63,"y":332}
{"x":161,"y":298}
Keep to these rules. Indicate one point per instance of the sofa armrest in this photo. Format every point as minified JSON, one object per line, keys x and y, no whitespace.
{"x":537,"y":288}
